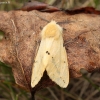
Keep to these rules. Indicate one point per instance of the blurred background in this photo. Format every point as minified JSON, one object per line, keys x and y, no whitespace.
{"x":66,"y":4}
{"x":85,"y":88}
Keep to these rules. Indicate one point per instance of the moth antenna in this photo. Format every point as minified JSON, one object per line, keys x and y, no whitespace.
{"x":64,"y":22}
{"x":67,"y":21}
{"x":42,"y":18}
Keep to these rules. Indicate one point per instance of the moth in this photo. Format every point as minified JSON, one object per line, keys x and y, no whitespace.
{"x":51,"y":56}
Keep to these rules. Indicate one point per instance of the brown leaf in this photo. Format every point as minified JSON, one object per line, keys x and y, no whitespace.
{"x":81,"y":39}
{"x":87,"y":10}
{"x":50,"y":9}
{"x":35,"y":5}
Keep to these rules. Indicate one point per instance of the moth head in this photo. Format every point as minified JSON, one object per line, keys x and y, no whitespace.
{"x":51,"y":30}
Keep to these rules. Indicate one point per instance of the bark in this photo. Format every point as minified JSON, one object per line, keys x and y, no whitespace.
{"x":21,"y":41}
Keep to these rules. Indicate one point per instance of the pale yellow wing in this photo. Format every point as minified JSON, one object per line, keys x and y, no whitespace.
{"x":38,"y":68}
{"x":41,"y":61}
{"x":57,"y":68}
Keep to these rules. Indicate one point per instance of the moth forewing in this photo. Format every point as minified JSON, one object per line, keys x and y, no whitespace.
{"x":37,"y":70}
{"x":57,"y":68}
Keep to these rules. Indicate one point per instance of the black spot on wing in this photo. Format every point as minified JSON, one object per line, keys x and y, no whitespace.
{"x":62,"y":79}
{"x":47,"y":52}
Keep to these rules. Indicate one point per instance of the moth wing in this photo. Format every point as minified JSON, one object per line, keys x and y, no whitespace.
{"x":38,"y":68}
{"x":57,"y":68}
{"x":41,"y":61}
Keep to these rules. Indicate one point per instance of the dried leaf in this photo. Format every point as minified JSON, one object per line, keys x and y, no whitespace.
{"x":35,"y":5}
{"x":81,"y":39}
